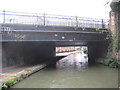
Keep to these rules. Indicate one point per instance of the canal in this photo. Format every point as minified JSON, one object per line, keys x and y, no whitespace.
{"x":72,"y":72}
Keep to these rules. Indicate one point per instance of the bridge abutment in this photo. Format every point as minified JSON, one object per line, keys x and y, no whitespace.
{"x":0,"y":57}
{"x":97,"y":50}
{"x":23,"y":53}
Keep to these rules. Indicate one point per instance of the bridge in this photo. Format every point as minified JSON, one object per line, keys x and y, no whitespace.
{"x":32,"y":38}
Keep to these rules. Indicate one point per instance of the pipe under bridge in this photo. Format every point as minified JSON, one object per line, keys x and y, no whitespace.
{"x":23,"y":43}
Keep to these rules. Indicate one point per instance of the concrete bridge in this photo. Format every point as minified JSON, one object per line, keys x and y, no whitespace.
{"x":25,"y":43}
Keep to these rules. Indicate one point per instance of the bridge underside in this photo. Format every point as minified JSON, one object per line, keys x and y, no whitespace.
{"x":22,"y":53}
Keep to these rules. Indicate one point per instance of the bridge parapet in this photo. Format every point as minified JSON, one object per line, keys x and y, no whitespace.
{"x":9,"y":17}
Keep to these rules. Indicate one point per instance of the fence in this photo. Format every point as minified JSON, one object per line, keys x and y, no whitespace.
{"x":48,"y":19}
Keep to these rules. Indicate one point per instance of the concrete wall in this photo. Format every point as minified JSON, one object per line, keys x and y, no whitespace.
{"x":0,"y":57}
{"x":97,"y":50}
{"x":20,"y":53}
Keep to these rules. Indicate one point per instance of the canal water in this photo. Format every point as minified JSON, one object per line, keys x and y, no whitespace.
{"x":72,"y":71}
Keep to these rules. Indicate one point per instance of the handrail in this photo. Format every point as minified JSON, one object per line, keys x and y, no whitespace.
{"x":49,"y":19}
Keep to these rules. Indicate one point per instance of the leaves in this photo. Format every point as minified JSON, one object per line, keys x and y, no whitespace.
{"x":111,"y":62}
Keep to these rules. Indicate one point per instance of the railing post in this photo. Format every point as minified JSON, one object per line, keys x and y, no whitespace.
{"x":76,"y":21}
{"x":3,"y":19}
{"x":103,"y":24}
{"x":44,"y":19}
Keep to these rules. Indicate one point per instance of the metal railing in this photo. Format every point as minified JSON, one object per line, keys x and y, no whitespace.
{"x":10,"y":17}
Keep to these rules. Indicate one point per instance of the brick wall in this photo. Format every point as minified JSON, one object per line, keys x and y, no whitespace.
{"x":63,"y":49}
{"x":113,"y":21}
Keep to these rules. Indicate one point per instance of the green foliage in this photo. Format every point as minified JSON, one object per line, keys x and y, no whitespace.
{"x":115,"y":42}
{"x":13,"y":76}
{"x":0,"y":86}
{"x":10,"y":82}
{"x":115,"y":6}
{"x":23,"y":75}
{"x":108,"y":37}
{"x":75,"y":24}
{"x":97,"y":29}
{"x":27,"y":70}
{"x":104,"y":31}
{"x":111,"y":62}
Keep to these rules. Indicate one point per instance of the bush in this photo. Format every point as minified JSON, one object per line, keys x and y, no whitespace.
{"x":111,"y":62}
{"x":10,"y":82}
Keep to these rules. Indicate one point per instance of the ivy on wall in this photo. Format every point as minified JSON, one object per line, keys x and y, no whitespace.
{"x":115,"y":6}
{"x":113,"y":59}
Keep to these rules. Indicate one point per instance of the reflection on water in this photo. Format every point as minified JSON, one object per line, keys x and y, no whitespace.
{"x":78,"y":60}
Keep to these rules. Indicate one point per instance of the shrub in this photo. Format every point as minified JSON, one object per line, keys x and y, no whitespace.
{"x":10,"y":82}
{"x":111,"y":62}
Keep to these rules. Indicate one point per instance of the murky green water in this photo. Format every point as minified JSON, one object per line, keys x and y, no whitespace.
{"x":72,"y":75}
